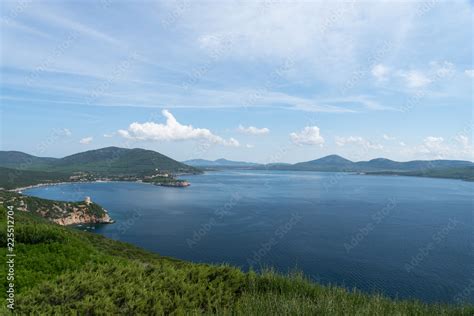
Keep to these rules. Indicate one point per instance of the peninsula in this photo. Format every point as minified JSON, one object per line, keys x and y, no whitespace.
{"x":59,"y":212}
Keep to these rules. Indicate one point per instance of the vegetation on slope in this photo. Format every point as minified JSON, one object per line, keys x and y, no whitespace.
{"x":111,"y":163}
{"x":20,"y":160}
{"x":60,"y":271}
{"x":114,"y":160}
{"x":462,"y":173}
{"x":104,"y":161}
{"x":335,"y":163}
{"x":60,"y":212}
{"x":166,"y":181}
{"x":15,"y":178}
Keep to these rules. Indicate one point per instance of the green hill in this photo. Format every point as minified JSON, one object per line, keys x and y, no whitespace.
{"x":20,"y":160}
{"x":328,"y":163}
{"x":453,"y":169}
{"x":109,"y":161}
{"x":61,"y":271}
{"x":15,"y":178}
{"x":114,"y":160}
{"x":338,"y":163}
{"x":104,"y":161}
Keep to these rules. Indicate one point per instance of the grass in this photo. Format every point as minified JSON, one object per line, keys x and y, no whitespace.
{"x":60,"y":271}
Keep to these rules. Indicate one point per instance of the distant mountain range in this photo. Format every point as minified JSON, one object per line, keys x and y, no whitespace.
{"x":109,"y":160}
{"x":219,"y":163}
{"x":123,"y":163}
{"x":338,"y":163}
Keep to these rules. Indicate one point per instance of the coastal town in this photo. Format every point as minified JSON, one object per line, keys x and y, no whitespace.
{"x":158,"y":178}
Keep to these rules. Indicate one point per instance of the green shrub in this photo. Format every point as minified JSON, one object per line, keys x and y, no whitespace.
{"x":61,"y":271}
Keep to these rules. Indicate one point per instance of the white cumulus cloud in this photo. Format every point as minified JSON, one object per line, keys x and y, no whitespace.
{"x":463,"y":140}
{"x":433,"y":142}
{"x":310,"y":135}
{"x":458,"y":147}
{"x":253,"y":130}
{"x":469,"y":72}
{"x":435,"y":147}
{"x":172,"y":131}
{"x":357,"y":140}
{"x":380,"y":72}
{"x":388,"y":137}
{"x":86,"y":140}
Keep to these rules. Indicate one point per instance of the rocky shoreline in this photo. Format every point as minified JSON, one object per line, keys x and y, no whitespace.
{"x":60,"y":212}
{"x":77,"y":218}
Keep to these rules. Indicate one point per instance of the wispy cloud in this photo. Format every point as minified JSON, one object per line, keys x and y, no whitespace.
{"x":415,"y":79}
{"x":348,"y":65}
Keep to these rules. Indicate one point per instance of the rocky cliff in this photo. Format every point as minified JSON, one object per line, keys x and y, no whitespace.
{"x":59,"y":212}
{"x":81,"y":216}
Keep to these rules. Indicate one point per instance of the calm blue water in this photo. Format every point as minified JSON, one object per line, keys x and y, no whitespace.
{"x":403,"y":236}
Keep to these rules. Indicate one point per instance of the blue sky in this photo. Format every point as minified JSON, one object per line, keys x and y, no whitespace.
{"x":258,"y":81}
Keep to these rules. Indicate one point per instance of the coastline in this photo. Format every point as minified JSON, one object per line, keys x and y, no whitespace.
{"x":18,"y":190}
{"x":72,"y":219}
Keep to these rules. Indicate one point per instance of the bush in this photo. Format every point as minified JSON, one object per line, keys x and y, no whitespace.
{"x":60,"y":271}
